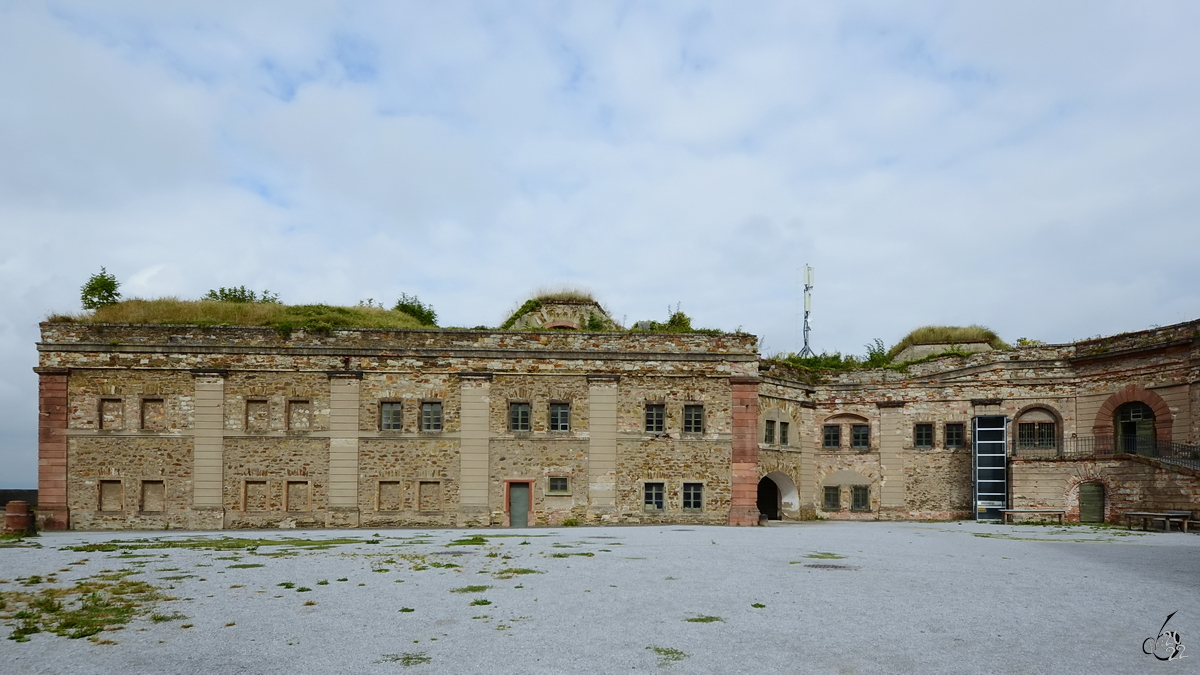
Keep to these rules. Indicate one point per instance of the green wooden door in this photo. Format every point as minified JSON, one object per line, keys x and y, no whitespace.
{"x":1091,"y":503}
{"x":518,"y":504}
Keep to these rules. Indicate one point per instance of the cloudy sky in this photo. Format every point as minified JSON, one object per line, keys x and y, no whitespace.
{"x":1028,"y":166}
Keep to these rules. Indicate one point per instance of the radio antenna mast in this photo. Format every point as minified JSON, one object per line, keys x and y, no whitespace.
{"x":808,"y":286}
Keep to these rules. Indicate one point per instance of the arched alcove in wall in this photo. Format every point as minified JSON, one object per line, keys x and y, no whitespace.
{"x":777,"y":495}
{"x":1105,"y":424}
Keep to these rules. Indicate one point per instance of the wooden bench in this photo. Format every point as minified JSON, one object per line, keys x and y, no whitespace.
{"x":1167,"y":517}
{"x":1005,"y":513}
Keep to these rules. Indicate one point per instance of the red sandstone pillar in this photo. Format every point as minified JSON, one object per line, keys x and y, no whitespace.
{"x":52,"y":511}
{"x":743,"y":503}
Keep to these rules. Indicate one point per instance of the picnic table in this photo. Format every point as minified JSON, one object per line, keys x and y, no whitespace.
{"x":1168,"y":517}
{"x":1004,"y":513}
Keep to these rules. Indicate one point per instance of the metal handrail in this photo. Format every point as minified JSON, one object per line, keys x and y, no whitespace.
{"x":1106,"y":446}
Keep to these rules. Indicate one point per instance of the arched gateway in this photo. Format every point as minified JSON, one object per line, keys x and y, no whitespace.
{"x":777,"y":495}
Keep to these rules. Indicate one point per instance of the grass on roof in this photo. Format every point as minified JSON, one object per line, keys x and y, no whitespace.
{"x":563,"y":293}
{"x":284,"y":318}
{"x":934,"y":335}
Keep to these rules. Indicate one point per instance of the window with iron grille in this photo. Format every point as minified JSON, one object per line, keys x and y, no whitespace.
{"x":518,"y":416}
{"x":955,"y":438}
{"x":654,"y":497}
{"x":783,"y":434}
{"x":389,"y":416}
{"x":860,"y":436}
{"x":923,"y":436}
{"x":833,"y":498}
{"x":560,"y":417}
{"x":1037,"y":435}
{"x":693,"y":419}
{"x":654,"y":418}
{"x":693,"y":496}
{"x":769,"y":432}
{"x":431,"y":416}
{"x":558,"y":485}
{"x":833,"y":436}
{"x":860,"y":498}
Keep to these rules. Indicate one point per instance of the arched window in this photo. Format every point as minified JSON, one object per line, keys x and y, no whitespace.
{"x":1037,"y":429}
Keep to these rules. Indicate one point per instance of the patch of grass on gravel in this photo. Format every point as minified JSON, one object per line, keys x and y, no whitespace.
{"x":824,"y":555}
{"x":245,"y":566}
{"x":470,"y":589}
{"x":704,"y":619}
{"x":406,"y":659}
{"x":667,"y":656}
{"x":102,"y":602}
{"x":208,"y":544}
{"x":510,"y":572}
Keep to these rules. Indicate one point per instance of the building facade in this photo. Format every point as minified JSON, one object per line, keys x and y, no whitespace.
{"x":234,"y":427}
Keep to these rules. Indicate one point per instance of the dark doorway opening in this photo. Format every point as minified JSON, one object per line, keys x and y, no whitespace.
{"x":768,"y":498}
{"x":1135,"y":429}
{"x":1091,"y":503}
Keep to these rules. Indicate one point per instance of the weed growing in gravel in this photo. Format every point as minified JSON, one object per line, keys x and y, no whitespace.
{"x":287,"y":584}
{"x":245,"y":566}
{"x":510,"y":572}
{"x":470,"y":589}
{"x":758,"y":605}
{"x":106,"y":601}
{"x":407,"y":609}
{"x":824,"y":555}
{"x":163,"y":618}
{"x":323,"y":582}
{"x":704,"y":619}
{"x":343,"y":579}
{"x":587,"y":554}
{"x":303,"y":589}
{"x":479,"y":602}
{"x":476,"y":540}
{"x":667,"y":656}
{"x":221,"y":544}
{"x":407,"y":659}
{"x":310,"y":603}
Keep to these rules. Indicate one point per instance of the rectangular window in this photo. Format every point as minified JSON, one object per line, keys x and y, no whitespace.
{"x":154,"y":496}
{"x":154,"y":414}
{"x":833,"y":498}
{"x":431,"y":416}
{"x":833,"y":436}
{"x":693,"y":419}
{"x":518,"y":416}
{"x":860,"y":437}
{"x":1037,"y":435}
{"x":769,"y":432}
{"x":654,"y":497}
{"x":923,"y":436}
{"x":298,"y":496}
{"x":860,"y":498}
{"x":954,"y":435}
{"x":783,"y":434}
{"x":655,"y":413}
{"x":429,"y":496}
{"x":112,"y":496}
{"x":693,"y":496}
{"x":111,"y":413}
{"x":389,"y":495}
{"x":560,"y":485}
{"x":257,"y":415}
{"x":560,"y":417}
{"x":389,"y":416}
{"x":256,"y":496}
{"x":299,"y":415}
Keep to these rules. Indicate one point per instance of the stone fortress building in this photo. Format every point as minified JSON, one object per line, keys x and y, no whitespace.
{"x":215,"y":427}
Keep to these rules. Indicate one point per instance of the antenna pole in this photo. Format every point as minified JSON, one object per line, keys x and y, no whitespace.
{"x":808,"y":286}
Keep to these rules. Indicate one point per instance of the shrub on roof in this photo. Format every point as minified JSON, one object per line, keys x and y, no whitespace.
{"x":935,"y":335}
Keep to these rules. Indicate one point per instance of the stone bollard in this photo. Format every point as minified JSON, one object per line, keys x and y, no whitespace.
{"x":17,"y":519}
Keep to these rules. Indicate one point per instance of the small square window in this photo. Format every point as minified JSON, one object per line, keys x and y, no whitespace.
{"x":784,"y":439}
{"x":860,"y":498}
{"x":833,"y":498}
{"x":560,"y":417}
{"x":954,"y":435}
{"x":154,"y":496}
{"x":860,"y":436}
{"x":693,"y":496}
{"x":111,"y":413}
{"x":299,"y":415}
{"x":257,"y":415}
{"x":833,"y":436}
{"x":154,"y":414}
{"x":654,"y":497}
{"x":431,"y":416}
{"x":693,"y":419}
{"x":389,"y":416}
{"x":769,"y":432}
{"x":518,"y":416}
{"x":654,"y":418}
{"x":112,"y":495}
{"x":558,"y":485}
{"x":1039,"y":435}
{"x":923,"y":436}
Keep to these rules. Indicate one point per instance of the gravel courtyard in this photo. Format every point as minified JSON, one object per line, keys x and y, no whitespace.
{"x":820,"y":597}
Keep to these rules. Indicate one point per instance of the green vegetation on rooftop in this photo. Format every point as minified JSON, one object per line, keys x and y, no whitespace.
{"x":955,"y":335}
